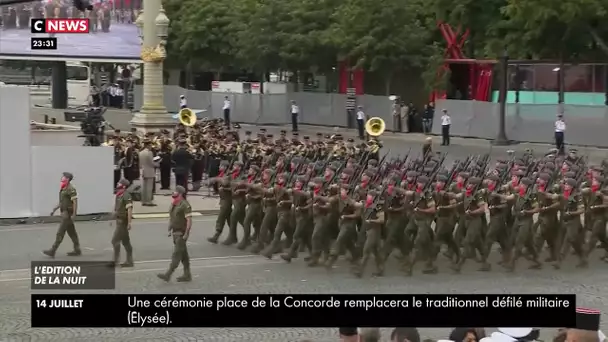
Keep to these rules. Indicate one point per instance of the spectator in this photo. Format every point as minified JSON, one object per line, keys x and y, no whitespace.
{"x":465,"y":335}
{"x":119,"y":96}
{"x":396,"y":116}
{"x":369,"y":335}
{"x":349,"y":335}
{"x":95,"y":96}
{"x":412,"y":116}
{"x":427,"y":118}
{"x":405,"y":335}
{"x":403,"y":117}
{"x":587,"y":327}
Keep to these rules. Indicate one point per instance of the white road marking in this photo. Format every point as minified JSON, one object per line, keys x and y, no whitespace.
{"x":46,"y":226}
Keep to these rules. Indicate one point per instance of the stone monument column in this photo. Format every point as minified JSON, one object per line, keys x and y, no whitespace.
{"x":153,"y":27}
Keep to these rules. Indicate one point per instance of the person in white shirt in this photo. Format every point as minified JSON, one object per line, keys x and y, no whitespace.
{"x":560,"y":129}
{"x":361,"y":122}
{"x":183,"y":103}
{"x":226,"y":109}
{"x":112,"y":95}
{"x":295,"y":112}
{"x":446,"y":121}
{"x":119,"y":97}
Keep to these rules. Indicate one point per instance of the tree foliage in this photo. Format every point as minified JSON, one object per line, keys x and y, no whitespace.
{"x":387,"y":37}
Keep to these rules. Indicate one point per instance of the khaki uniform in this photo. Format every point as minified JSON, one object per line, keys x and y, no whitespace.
{"x":178,"y":216}
{"x":497,"y":230}
{"x":223,"y":217}
{"x":303,"y":224}
{"x":283,"y":225}
{"x":253,"y":217}
{"x":444,"y":226}
{"x":372,"y":245}
{"x":320,"y":239}
{"x":395,"y":220}
{"x":474,"y":238}
{"x":597,"y":224}
{"x":237,"y":216}
{"x":523,"y":234}
{"x":66,"y":208}
{"x":269,"y":222}
{"x":423,"y":242}
{"x":574,"y":235}
{"x":548,"y":226}
{"x":122,"y":204}
{"x":347,"y":237}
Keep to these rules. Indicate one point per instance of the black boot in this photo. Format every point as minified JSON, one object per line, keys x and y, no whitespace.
{"x":49,"y":252}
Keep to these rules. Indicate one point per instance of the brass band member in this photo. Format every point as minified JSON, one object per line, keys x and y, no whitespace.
{"x":165,"y":150}
{"x":131,"y":161}
{"x":182,"y":160}
{"x":198,"y":164}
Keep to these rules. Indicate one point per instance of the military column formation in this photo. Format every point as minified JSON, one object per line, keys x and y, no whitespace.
{"x":367,"y":206}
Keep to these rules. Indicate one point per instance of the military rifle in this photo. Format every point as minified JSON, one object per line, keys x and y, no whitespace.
{"x":432,"y":177}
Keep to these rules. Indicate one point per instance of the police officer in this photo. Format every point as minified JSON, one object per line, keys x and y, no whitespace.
{"x":123,"y":210}
{"x":180,"y":223}
{"x":68,"y":207}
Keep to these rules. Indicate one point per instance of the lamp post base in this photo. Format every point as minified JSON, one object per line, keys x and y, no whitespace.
{"x":152,"y":119}
{"x":503,"y":141}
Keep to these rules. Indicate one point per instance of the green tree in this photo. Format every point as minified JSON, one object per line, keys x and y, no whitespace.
{"x":566,"y":29}
{"x":388,"y":38}
{"x":258,"y":40}
{"x":303,"y":32}
{"x":203,"y":32}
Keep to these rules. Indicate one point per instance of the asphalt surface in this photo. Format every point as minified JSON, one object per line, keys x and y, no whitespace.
{"x":121,"y":42}
{"x":219,"y":269}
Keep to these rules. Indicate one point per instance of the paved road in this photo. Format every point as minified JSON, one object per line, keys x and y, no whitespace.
{"x":121,"y":42}
{"x":219,"y":269}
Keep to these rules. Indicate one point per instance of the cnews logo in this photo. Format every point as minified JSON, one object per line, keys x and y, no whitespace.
{"x":60,"y":25}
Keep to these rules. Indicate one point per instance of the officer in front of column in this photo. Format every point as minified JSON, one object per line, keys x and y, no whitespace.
{"x":180,"y":223}
{"x":68,"y":207}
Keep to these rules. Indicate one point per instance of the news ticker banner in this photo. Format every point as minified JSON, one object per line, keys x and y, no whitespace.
{"x":66,"y":275}
{"x":279,"y":310}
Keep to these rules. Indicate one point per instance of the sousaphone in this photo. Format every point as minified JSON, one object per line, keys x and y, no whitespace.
{"x":187,"y":117}
{"x":375,"y":126}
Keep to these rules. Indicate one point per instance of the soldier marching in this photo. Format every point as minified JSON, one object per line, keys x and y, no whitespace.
{"x":327,"y":205}
{"x":326,"y":197}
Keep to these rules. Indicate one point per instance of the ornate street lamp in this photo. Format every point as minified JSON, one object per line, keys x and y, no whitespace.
{"x":153,"y":26}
